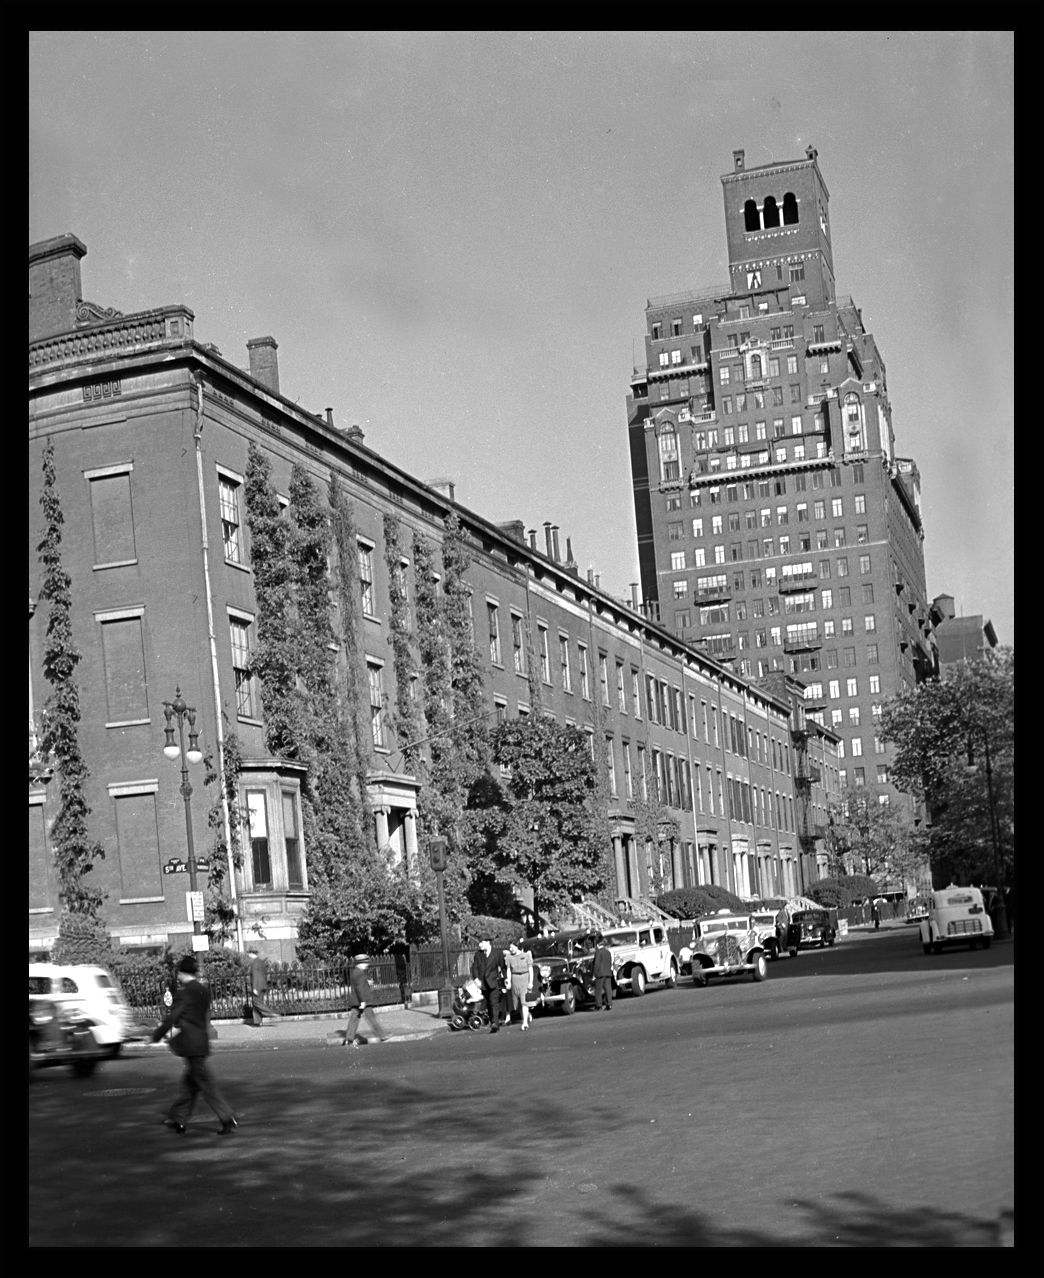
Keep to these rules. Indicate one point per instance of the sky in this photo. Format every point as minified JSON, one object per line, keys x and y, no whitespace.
{"x":453,"y":237}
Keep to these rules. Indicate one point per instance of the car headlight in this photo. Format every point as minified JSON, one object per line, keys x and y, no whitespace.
{"x":684,"y":954}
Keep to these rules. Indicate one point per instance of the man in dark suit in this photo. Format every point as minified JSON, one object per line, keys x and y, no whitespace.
{"x":190,"y":1014}
{"x":488,"y":968}
{"x":360,"y":998}
{"x":258,"y":986}
{"x":602,"y":971}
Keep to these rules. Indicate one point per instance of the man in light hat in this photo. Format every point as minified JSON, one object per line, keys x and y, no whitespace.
{"x":359,"y":996}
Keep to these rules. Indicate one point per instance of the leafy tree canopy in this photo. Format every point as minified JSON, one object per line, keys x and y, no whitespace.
{"x":942,"y":731}
{"x":691,"y":902}
{"x":875,"y":839}
{"x":540,"y":825}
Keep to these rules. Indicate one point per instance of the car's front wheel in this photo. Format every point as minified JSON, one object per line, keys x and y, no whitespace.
{"x":672,"y":978}
{"x":773,"y":951}
{"x":760,"y":968}
{"x":699,"y":977}
{"x":832,"y":940}
{"x":569,"y":1000}
{"x":822,"y":941}
{"x":638,"y":982}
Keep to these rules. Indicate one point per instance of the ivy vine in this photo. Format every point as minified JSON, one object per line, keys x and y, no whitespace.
{"x":75,"y":852}
{"x":405,"y":716}
{"x":220,"y":920}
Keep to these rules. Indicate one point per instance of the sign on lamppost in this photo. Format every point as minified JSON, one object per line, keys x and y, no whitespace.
{"x":438,"y":853}
{"x":194,"y":907}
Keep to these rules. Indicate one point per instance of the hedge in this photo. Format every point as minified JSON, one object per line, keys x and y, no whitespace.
{"x":690,"y":903}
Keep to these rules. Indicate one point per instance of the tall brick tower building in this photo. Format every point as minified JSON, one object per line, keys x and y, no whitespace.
{"x":776,"y":525}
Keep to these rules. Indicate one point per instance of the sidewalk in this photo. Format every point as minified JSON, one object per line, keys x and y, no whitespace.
{"x":400,"y":1024}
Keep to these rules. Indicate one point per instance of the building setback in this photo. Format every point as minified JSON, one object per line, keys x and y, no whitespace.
{"x":960,"y":638}
{"x":150,"y":430}
{"x":777,"y":529}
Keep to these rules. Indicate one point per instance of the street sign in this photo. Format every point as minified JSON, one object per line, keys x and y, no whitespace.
{"x":175,"y":866}
{"x":200,"y":941}
{"x":437,"y":851}
{"x":194,"y":906}
{"x":202,"y":864}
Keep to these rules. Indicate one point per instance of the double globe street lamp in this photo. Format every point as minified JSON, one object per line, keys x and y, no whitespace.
{"x":177,"y":709}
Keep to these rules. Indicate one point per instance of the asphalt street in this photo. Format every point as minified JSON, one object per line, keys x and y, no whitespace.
{"x":861,"y":1096}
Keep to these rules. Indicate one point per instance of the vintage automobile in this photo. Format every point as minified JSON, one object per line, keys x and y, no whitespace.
{"x":641,"y":953}
{"x":90,"y":991}
{"x":956,"y":916}
{"x":816,"y":927}
{"x":562,"y":968}
{"x":777,"y":931}
{"x":726,"y":944}
{"x":63,"y":1036}
{"x":916,"y":910}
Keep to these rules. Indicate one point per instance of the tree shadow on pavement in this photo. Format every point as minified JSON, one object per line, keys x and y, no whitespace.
{"x":363,"y":1159}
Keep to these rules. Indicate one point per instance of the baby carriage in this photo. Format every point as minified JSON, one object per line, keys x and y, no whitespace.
{"x":469,"y":1007}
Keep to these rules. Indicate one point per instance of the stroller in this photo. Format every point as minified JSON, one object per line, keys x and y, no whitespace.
{"x":469,"y":1007}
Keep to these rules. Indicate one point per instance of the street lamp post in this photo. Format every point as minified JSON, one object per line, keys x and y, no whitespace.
{"x":177,"y":709}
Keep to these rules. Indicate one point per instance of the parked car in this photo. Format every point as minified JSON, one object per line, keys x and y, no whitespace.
{"x":777,"y":931}
{"x":956,"y":916}
{"x":641,"y":953}
{"x":562,"y":968}
{"x":916,"y":910}
{"x":726,"y":944}
{"x":816,"y":927}
{"x":63,"y":1036}
{"x":90,"y":991}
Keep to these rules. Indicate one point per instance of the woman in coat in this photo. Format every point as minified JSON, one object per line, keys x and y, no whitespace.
{"x":520,"y":971}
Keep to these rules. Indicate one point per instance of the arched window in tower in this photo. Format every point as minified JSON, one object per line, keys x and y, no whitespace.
{"x":855,"y":437}
{"x":751,"y":219}
{"x":770,"y":213}
{"x":668,"y":452}
{"x":790,"y":209}
{"x":755,"y":367}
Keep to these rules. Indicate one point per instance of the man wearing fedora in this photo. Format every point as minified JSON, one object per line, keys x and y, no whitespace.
{"x":359,"y":1009}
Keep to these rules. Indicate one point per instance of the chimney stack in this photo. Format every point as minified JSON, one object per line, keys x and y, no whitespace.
{"x":547,"y":537}
{"x":264,"y":364}
{"x":634,"y":595}
{"x":329,"y":418}
{"x":532,"y":535}
{"x":554,"y":543}
{"x":738,"y":160}
{"x":54,"y":285}
{"x":445,"y":486}
{"x":590,"y":576}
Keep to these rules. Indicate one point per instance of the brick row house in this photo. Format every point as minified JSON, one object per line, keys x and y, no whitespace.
{"x":151,"y":430}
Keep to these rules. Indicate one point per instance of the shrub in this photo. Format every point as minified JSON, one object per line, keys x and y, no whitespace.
{"x":82,"y":939}
{"x":859,"y":886}
{"x":689,"y":903}
{"x":830,"y":894}
{"x":500,"y":931}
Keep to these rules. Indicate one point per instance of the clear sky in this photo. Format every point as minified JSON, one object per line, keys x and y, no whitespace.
{"x":453,"y":237}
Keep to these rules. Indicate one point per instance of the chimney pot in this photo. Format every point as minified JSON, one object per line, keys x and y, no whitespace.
{"x":264,"y":363}
{"x":556,"y":556}
{"x":532,"y":535}
{"x":329,"y":417}
{"x":547,"y":538}
{"x":634,"y":595}
{"x":590,"y":576}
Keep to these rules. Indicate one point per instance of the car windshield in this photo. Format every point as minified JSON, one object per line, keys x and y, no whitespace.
{"x":548,"y":947}
{"x":103,"y":981}
{"x":737,"y":925}
{"x":765,"y":918}
{"x":621,"y":938}
{"x":39,"y":985}
{"x":707,"y":928}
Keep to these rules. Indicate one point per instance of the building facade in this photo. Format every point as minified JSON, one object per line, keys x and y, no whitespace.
{"x":151,"y":430}
{"x":778,"y":530}
{"x":959,"y":638}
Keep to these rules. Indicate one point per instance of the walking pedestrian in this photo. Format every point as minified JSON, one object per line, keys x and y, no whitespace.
{"x":360,"y":995}
{"x":875,"y":914}
{"x":190,"y":1015}
{"x":602,"y":971}
{"x":487,"y":967}
{"x":520,"y":969}
{"x":258,"y":987}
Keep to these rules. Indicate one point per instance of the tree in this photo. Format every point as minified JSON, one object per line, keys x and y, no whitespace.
{"x":943,"y":731}
{"x":866,"y":836}
{"x":74,"y":850}
{"x":541,"y":828}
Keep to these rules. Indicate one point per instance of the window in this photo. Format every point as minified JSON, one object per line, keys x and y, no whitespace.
{"x":835,"y":689}
{"x":699,"y":557}
{"x":802,"y":512}
{"x":719,"y":554}
{"x":875,"y":684}
{"x":831,"y":658}
{"x":736,"y":550}
{"x":853,"y":716}
{"x":112,"y":515}
{"x":868,"y":592}
{"x":850,"y":657}
{"x":500,"y":708}
{"x":777,"y":636}
{"x":773,"y":367}
{"x":836,"y":718}
{"x":365,"y":555}
{"x":716,"y":525}
{"x":869,"y":623}
{"x":839,"y":538}
{"x":563,"y":662}
{"x":797,"y":272}
{"x":726,"y":404}
{"x":673,"y":503}
{"x":842,"y":567}
{"x":871,"y":654}
{"x":784,"y":545}
{"x":375,"y":677}
{"x":678,"y":561}
{"x":844,"y":597}
{"x":860,"y":504}
{"x":862,"y":534}
{"x":137,"y":838}
{"x":751,"y":519}
{"x":824,"y":570}
{"x":681,"y":588}
{"x":628,"y":783}
{"x":123,"y":653}
{"x":545,"y":654}
{"x":292,"y":839}
{"x":518,"y":644}
{"x":676,"y":531}
{"x":741,"y":433}
{"x":657,"y":332}
{"x":836,"y":508}
{"x":822,"y":541}
{"x":827,"y":598}
{"x":610,"y":766}
{"x":780,"y":455}
{"x":846,"y":626}
{"x":723,"y":374}
{"x":664,"y":359}
{"x":257,"y":824}
{"x":875,"y":713}
{"x":777,"y":396}
{"x":779,"y":486}
{"x":621,"y":694}
{"x":864,"y":564}
{"x":697,"y":527}
{"x":882,"y":775}
{"x":828,"y":629}
{"x":675,"y":357}
{"x":643,"y":781}
{"x":668,"y":444}
{"x":241,"y":631}
{"x":231,"y":530}
{"x":603,"y":677}
{"x":759,"y":604}
{"x":857,"y":747}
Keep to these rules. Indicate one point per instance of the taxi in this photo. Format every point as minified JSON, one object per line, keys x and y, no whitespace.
{"x":956,"y":916}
